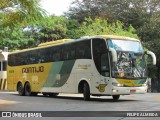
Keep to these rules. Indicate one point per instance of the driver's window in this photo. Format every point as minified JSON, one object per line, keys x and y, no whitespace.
{"x":105,"y":65}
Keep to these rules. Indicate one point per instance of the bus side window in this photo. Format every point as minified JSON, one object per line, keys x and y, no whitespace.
{"x":99,"y":47}
{"x":56,"y":53}
{"x":83,"y":49}
{"x":72,"y":53}
{"x":105,"y":65}
{"x":65,"y":52}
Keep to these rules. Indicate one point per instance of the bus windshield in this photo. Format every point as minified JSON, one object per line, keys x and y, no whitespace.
{"x":131,"y":62}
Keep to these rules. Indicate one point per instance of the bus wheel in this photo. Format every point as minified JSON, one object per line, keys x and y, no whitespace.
{"x":27,"y":89}
{"x":115,"y":97}
{"x":34,"y":93}
{"x":20,"y":89}
{"x":45,"y":94}
{"x":52,"y":94}
{"x":86,"y":91}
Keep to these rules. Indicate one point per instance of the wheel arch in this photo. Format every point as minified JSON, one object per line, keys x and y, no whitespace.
{"x":81,"y":83}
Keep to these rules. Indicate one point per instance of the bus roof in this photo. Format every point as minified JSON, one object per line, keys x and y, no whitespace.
{"x":62,"y":41}
{"x":116,"y":37}
{"x":57,"y":42}
{"x":42,"y":45}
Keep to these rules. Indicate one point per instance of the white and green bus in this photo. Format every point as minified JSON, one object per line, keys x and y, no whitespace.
{"x":104,"y":65}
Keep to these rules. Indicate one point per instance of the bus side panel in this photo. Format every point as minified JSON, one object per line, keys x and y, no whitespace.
{"x":85,"y":70}
{"x":35,"y":74}
{"x":11,"y":78}
{"x":59,"y":77}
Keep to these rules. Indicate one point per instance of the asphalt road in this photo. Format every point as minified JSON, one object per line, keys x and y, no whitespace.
{"x":11,"y":101}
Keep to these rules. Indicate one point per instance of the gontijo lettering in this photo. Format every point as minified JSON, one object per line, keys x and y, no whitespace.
{"x":33,"y":69}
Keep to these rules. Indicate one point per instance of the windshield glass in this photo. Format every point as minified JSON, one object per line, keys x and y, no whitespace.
{"x":131,"y":62}
{"x":124,"y":45}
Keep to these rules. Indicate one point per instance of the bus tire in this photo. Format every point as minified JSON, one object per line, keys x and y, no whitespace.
{"x":45,"y":94}
{"x":20,"y":89}
{"x":53,"y":94}
{"x":86,"y":92}
{"x":27,"y":89}
{"x":34,"y":93}
{"x":115,"y":97}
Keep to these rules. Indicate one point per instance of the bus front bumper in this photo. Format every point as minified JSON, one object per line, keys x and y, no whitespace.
{"x":128,"y":90}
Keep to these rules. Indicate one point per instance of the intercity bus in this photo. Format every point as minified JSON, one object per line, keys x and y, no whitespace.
{"x":103,"y":65}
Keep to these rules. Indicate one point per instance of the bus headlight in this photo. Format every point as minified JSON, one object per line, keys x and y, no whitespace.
{"x":117,"y":84}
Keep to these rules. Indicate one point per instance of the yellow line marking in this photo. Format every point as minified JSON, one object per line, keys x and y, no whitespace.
{"x":7,"y":102}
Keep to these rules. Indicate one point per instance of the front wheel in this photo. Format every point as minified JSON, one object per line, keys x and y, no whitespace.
{"x":115,"y":97}
{"x":53,"y":94}
{"x":86,"y":92}
{"x":45,"y":94}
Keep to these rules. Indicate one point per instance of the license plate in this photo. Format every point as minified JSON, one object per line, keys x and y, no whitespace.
{"x":132,"y":91}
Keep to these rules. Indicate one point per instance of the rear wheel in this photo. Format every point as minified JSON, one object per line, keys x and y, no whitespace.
{"x":86,"y":91}
{"x":27,"y":89}
{"x":20,"y":89}
{"x":115,"y":97}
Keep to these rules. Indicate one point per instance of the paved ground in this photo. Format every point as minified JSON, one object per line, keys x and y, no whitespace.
{"x":10,"y":101}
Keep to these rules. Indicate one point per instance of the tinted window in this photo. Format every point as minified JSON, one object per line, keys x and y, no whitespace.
{"x":83,"y":49}
{"x":99,"y":47}
{"x":79,"y":49}
{"x":68,"y":52}
{"x":105,"y":65}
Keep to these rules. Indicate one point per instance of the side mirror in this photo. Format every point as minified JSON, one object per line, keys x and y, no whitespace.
{"x":114,"y":54}
{"x":152,"y":55}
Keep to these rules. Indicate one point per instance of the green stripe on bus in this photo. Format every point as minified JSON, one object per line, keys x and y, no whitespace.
{"x":64,"y":73}
{"x":61,"y":69}
{"x":55,"y":69}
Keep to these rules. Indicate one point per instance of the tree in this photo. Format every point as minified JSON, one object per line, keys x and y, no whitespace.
{"x":16,"y":39}
{"x":73,"y":29}
{"x":15,"y":16}
{"x":52,"y":28}
{"x":100,"y":26}
{"x":134,"y":12}
{"x":21,"y":12}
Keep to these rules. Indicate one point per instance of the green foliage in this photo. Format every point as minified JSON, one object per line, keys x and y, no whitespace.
{"x":100,"y":26}
{"x":52,"y":28}
{"x":20,"y":12}
{"x":73,"y":29}
{"x":16,"y":39}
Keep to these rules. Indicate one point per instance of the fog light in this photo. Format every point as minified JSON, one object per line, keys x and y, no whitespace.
{"x":114,"y":91}
{"x":117,"y":84}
